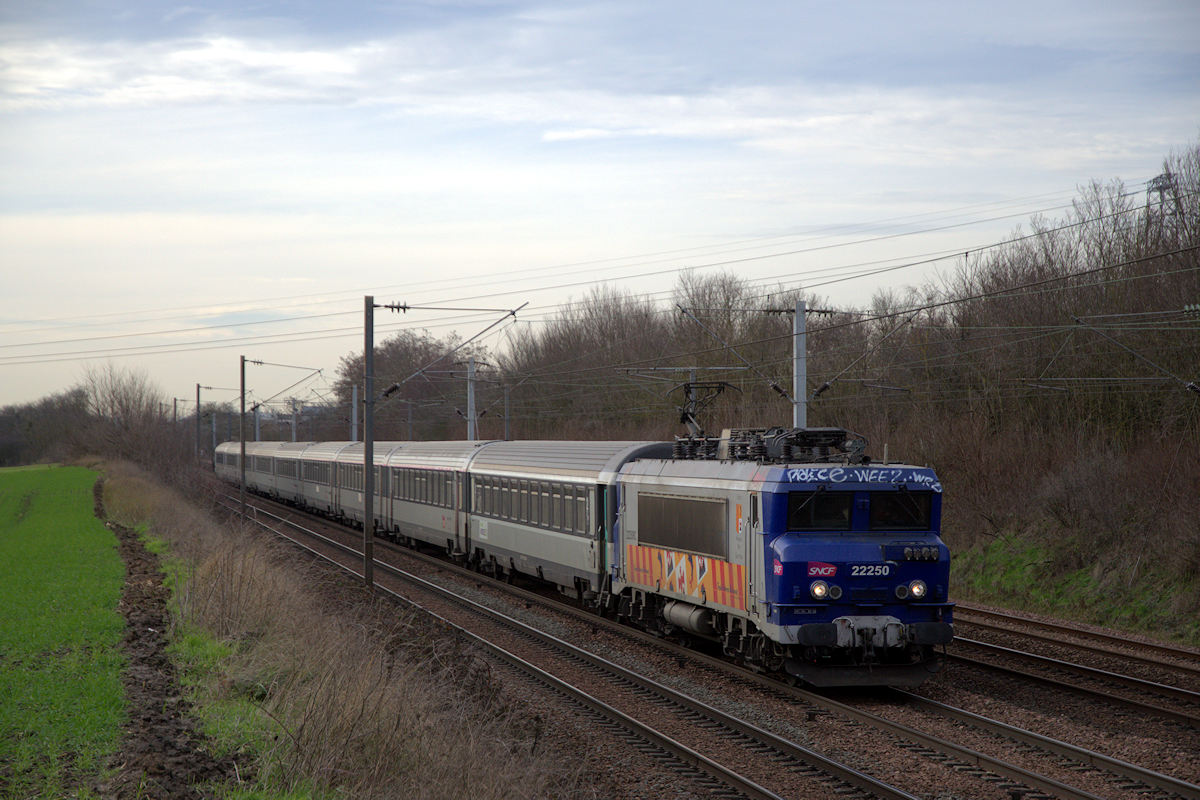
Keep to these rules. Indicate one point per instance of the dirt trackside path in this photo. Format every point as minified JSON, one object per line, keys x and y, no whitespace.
{"x":162,"y":755}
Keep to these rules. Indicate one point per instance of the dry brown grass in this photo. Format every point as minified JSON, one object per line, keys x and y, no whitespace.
{"x":368,"y":700}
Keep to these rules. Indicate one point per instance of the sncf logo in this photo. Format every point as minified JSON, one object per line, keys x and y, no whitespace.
{"x":777,"y":567}
{"x":819,"y":569}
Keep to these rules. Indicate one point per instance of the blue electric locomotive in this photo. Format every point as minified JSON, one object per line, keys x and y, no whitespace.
{"x":791,"y":549}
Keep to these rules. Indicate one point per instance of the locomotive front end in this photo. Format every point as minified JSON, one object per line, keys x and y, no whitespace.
{"x":856,"y":574}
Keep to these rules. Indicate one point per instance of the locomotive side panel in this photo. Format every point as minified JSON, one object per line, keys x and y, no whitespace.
{"x":681,"y":532}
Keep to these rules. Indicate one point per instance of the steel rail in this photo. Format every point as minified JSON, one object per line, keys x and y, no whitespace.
{"x":1150,"y":687}
{"x":808,"y":758}
{"x":1148,"y":777}
{"x":1175,"y":715}
{"x":971,"y":616}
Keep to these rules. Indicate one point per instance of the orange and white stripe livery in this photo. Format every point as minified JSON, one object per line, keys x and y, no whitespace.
{"x":700,"y":578}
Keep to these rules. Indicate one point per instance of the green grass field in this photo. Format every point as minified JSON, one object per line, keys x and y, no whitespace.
{"x":61,"y":699}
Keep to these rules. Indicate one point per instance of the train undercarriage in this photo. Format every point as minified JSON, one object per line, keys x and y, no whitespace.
{"x":821,"y":664}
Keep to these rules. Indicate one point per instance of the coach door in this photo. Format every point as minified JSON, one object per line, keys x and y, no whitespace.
{"x":749,"y":529}
{"x":462,"y":533}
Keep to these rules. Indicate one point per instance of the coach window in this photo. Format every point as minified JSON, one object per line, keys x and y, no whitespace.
{"x":570,"y":523}
{"x":581,"y":510}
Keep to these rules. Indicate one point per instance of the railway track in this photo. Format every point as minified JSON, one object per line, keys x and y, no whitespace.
{"x":1155,"y":699}
{"x":1170,"y":658}
{"x":691,"y":719}
{"x":989,"y":769}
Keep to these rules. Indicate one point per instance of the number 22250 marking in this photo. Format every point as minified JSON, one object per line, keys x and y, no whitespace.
{"x":859,"y":570}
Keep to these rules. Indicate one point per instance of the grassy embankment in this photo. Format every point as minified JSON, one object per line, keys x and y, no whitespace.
{"x":1016,"y":573}
{"x":61,"y":698}
{"x":315,"y":689}
{"x":1082,"y":530}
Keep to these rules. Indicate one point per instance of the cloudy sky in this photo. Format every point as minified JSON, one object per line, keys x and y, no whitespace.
{"x":184,"y":184}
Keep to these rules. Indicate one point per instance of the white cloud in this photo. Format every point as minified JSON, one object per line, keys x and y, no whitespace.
{"x":211,"y":158}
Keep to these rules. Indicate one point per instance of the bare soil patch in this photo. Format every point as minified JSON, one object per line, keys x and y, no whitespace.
{"x":162,"y":754}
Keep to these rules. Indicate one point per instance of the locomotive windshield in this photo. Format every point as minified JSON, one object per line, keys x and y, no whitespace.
{"x":819,"y":511}
{"x":900,"y":511}
{"x":877,"y":511}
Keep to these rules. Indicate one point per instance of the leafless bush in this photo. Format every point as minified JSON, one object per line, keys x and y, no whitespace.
{"x":368,"y":700}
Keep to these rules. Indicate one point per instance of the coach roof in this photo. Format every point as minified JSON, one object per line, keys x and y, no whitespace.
{"x":588,"y":460}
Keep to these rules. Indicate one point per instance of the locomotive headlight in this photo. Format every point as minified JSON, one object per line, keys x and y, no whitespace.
{"x":901,"y":592}
{"x":917,"y":589}
{"x":835,"y":592}
{"x":819,"y":590}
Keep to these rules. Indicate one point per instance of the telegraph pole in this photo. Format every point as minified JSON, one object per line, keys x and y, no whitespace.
{"x":800,"y":366}
{"x":471,"y":429}
{"x":242,"y":439}
{"x":507,"y":406}
{"x":197,"y":423}
{"x":369,"y":442}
